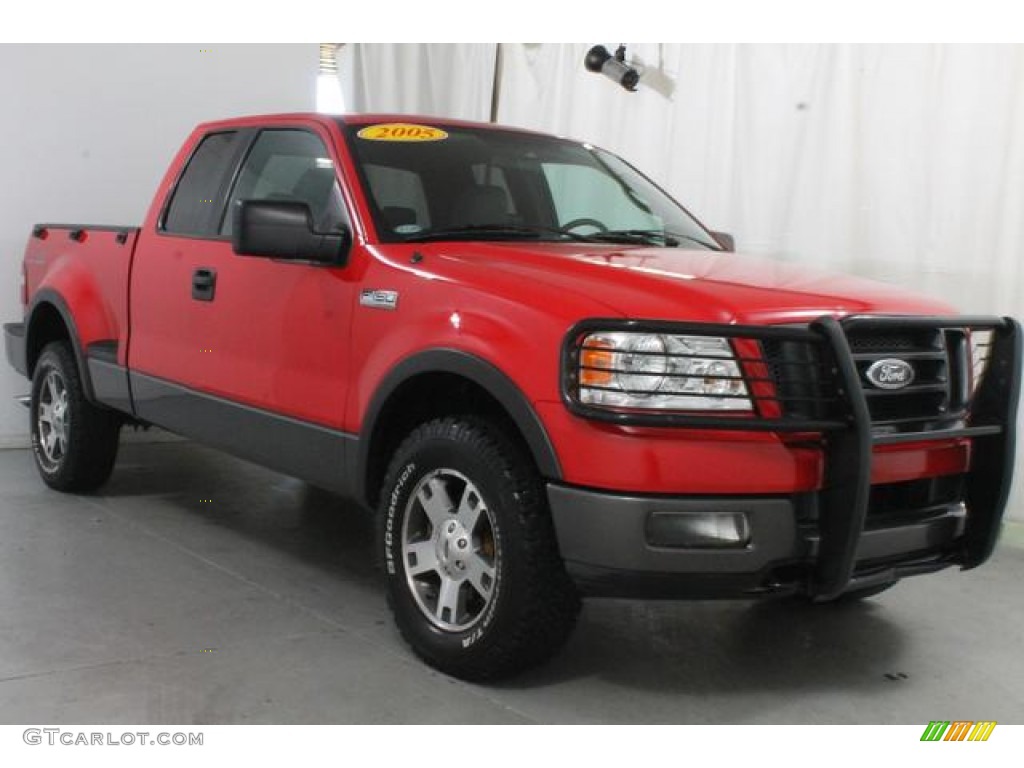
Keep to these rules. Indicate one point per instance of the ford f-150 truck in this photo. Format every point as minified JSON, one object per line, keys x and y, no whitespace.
{"x":545,"y":376}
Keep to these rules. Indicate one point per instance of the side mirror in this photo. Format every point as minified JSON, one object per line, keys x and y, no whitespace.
{"x":725,"y":240}
{"x":284,"y":230}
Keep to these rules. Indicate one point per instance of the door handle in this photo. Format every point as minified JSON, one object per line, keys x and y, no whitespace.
{"x":204,"y":284}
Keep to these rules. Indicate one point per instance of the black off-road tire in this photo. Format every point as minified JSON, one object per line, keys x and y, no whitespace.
{"x":531,"y":606}
{"x":90,"y":434}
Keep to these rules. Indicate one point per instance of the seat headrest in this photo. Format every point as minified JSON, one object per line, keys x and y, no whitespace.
{"x":396,"y":216}
{"x":480,"y":204}
{"x":314,"y":186}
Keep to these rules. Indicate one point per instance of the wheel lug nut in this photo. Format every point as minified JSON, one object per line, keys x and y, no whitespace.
{"x":451,"y":527}
{"x":462,"y":543}
{"x":460,"y":565}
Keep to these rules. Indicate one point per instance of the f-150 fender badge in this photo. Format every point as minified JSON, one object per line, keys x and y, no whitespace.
{"x":379,"y":299}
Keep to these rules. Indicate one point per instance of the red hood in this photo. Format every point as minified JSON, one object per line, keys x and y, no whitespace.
{"x":673,"y":284}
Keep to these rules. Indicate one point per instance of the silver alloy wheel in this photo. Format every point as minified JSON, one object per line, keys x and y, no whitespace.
{"x":53,"y":420}
{"x":450,"y":550}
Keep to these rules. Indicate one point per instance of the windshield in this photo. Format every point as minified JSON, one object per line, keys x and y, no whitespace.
{"x":441,"y":182}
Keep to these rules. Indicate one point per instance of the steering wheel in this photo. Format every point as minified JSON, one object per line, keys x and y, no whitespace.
{"x":585,"y":222}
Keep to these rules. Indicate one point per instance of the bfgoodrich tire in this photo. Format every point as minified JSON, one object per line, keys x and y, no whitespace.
{"x":74,"y":442}
{"x":474,"y":578}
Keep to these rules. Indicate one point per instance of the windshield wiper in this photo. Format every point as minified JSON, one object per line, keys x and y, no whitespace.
{"x":512,"y":231}
{"x":538,"y":231}
{"x":646,"y":237}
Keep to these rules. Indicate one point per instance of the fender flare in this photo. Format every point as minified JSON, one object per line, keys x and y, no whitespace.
{"x":482,"y":373}
{"x":50,"y":296}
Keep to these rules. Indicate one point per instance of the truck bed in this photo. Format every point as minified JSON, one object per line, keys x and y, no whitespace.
{"x":76,"y":258}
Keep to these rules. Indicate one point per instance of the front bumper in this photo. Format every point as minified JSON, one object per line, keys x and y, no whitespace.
{"x":14,"y":344}
{"x":605,"y":541}
{"x":604,"y":537}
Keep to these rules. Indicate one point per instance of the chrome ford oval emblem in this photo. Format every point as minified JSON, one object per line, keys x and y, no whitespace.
{"x":890,"y":373}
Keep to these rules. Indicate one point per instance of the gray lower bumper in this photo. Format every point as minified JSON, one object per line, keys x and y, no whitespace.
{"x":609,"y":531}
{"x":603,"y":539}
{"x":14,"y":344}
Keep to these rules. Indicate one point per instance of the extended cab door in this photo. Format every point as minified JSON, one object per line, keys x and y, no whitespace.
{"x":247,"y":353}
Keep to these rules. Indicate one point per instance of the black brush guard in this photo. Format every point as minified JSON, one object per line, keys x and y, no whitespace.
{"x":833,"y":404}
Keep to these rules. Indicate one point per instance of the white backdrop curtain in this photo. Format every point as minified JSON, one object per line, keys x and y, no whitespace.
{"x":443,"y":79}
{"x":903,"y":163}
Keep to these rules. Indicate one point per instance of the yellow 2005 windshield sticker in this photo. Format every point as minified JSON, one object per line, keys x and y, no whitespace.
{"x":401,"y":132}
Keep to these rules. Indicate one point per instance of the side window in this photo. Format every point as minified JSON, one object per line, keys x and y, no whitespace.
{"x":400,"y":198}
{"x":195,"y":204}
{"x":290,"y":165}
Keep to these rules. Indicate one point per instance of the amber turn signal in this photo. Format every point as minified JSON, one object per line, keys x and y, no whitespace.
{"x":596,"y":363}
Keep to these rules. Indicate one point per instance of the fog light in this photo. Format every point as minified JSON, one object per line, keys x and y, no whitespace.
{"x":709,"y":530}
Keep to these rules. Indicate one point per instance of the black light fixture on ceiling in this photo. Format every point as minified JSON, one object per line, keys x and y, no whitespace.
{"x":614,"y":67}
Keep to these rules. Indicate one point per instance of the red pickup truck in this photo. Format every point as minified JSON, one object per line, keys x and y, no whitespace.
{"x":544,"y":375}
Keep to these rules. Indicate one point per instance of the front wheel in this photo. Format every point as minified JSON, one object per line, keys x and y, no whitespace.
{"x":474,"y":578}
{"x":73,"y":441}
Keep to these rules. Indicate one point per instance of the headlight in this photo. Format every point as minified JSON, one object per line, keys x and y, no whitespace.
{"x":643,"y":364}
{"x":660,"y":372}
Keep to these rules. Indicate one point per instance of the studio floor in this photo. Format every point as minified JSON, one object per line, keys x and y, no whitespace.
{"x":195,"y":588}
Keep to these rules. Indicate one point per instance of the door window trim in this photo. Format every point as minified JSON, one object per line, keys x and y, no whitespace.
{"x":245,"y":136}
{"x":251,"y":144}
{"x":249,"y":134}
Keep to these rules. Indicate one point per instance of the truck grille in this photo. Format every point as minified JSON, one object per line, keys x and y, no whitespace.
{"x":900,"y":503}
{"x":936,"y":398}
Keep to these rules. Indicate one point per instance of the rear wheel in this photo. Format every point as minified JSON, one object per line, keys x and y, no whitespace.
{"x":474,"y":577}
{"x":73,"y":441}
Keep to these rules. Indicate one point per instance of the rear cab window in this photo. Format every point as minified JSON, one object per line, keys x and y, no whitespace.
{"x":195,"y":205}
